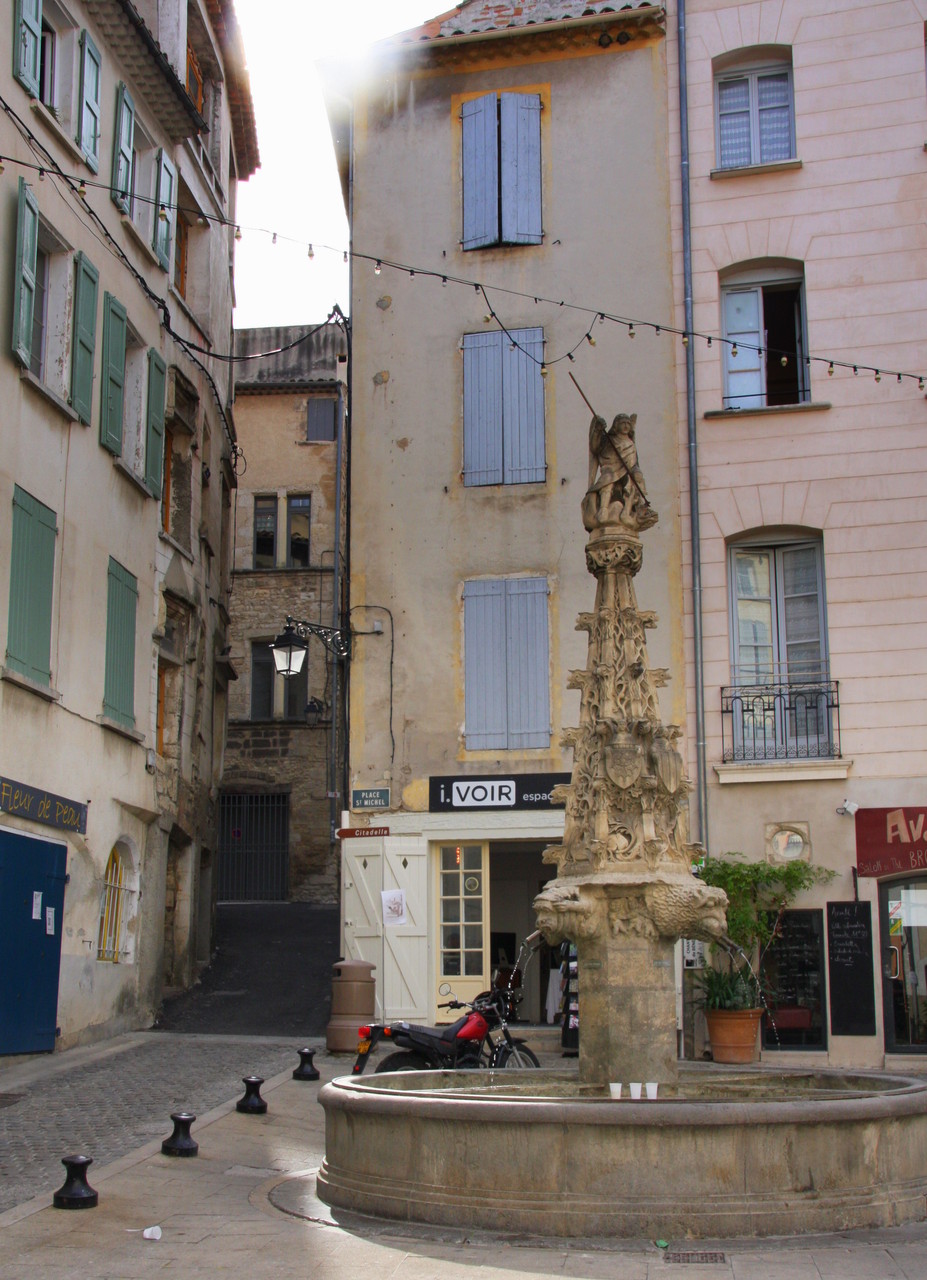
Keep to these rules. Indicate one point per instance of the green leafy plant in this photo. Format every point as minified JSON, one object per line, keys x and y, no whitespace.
{"x":758,"y":894}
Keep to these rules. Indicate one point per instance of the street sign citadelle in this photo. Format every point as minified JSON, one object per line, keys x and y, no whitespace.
{"x":352,"y":833}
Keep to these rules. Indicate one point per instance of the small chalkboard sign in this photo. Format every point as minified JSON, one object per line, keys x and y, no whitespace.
{"x":849,"y":963}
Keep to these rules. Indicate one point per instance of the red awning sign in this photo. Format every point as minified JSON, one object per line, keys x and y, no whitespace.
{"x":351,"y":833}
{"x":890,"y":842}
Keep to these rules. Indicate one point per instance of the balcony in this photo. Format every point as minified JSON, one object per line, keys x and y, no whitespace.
{"x":797,"y":720}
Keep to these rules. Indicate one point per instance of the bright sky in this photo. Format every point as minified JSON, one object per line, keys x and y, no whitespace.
{"x":296,"y":192}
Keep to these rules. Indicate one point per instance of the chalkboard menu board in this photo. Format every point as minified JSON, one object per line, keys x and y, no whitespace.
{"x":849,"y":963}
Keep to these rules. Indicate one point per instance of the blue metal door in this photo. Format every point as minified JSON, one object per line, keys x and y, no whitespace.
{"x":32,"y":880}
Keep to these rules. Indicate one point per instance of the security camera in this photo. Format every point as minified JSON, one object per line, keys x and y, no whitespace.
{"x":848,"y":808}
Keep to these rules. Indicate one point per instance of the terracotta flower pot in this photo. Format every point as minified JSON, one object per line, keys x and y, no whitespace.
{"x":733,"y":1033}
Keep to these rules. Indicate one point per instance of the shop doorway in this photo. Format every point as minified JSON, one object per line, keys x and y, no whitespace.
{"x":516,"y":876}
{"x":903,"y":930}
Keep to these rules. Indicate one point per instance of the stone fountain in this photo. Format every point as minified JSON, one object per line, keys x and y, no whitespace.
{"x":624,"y":891}
{"x":718,"y":1153}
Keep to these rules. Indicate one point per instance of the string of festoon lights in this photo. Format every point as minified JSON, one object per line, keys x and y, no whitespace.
{"x":597,"y":316}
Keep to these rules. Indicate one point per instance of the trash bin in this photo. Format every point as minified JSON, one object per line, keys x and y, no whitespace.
{"x":353,"y":1003}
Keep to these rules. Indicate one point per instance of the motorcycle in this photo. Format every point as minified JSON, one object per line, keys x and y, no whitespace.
{"x":468,"y":1043}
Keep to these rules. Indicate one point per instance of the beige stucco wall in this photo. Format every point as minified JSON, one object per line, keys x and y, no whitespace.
{"x":852,"y":468}
{"x":417,"y":532}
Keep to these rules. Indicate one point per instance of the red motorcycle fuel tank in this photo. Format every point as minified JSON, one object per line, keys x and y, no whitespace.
{"x":474,"y":1028}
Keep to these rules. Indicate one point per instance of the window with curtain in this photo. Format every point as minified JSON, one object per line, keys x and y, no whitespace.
{"x":754,"y":115}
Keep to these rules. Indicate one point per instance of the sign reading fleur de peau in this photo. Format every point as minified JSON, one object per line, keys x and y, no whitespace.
{"x":891,"y":841}
{"x":42,"y":806}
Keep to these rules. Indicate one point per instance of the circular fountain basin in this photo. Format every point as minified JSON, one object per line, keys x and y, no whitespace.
{"x":719,"y":1154}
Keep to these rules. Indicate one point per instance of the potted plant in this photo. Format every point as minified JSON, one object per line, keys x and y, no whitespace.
{"x":731,"y":990}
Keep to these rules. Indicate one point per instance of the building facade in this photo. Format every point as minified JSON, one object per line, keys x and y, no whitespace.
{"x":534,"y":142}
{"x":124,"y":133}
{"x":806,"y":265}
{"x":285,"y":751}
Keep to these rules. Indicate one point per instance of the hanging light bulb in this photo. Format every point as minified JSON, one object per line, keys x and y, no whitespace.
{"x":444,"y":282}
{"x":377,"y":267}
{"x":41,"y":175}
{"x":570,"y":357}
{"x":162,"y":214}
{"x":784,"y":360}
{"x":657,"y":330}
{"x":82,"y":189}
{"x":899,"y":379}
{"x":311,"y":253}
{"x":856,"y":371}
{"x":487,"y":319}
{"x":1,"y":164}
{"x":734,"y":352}
{"x":345,"y":257}
{"x":543,"y":370}
{"x":238,"y":233}
{"x":631,"y":331}
{"x":274,"y":238}
{"x":709,"y":342}
{"x":411,"y":273}
{"x":685,"y":339}
{"x":830,"y":369}
{"x":920,"y":384}
{"x":202,"y":221}
{"x":590,"y":339}
{"x":878,"y":376}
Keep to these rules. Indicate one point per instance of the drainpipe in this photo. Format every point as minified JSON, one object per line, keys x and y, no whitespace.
{"x":692,"y":439}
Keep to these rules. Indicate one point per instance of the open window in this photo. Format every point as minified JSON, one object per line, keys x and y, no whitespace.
{"x":765,"y":348}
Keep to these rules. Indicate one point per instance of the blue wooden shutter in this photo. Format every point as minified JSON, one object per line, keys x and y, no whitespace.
{"x":480,"y":171}
{"x":745,"y":373}
{"x":520,"y":167}
{"x":27,"y":51}
{"x":115,"y":328}
{"x":527,"y":663}
{"x":164,"y":189}
{"x":523,"y":407}
{"x":154,"y":423}
{"x":32,"y":574}
{"x":119,"y":676}
{"x":123,"y":142}
{"x":86,"y":287}
{"x":482,"y":381}
{"x":484,"y":665}
{"x":27,"y":247}
{"x":88,"y":121}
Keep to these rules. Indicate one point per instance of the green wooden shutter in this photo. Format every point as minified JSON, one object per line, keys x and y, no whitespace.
{"x":119,"y":676}
{"x":123,"y":141}
{"x":154,"y":425}
{"x":115,"y":328}
{"x":27,"y":49}
{"x":88,"y":121}
{"x":86,"y":288}
{"x":32,"y":574}
{"x":163,"y":226}
{"x":27,"y":246}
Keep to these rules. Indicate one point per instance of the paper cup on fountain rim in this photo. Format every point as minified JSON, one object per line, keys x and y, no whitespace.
{"x":635,"y":1088}
{"x":615,"y":1090}
{"x":651,"y":1087}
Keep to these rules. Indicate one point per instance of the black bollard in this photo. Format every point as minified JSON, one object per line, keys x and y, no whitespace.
{"x":76,"y":1194}
{"x":252,"y":1103}
{"x":306,"y":1069}
{"x":180,"y":1143}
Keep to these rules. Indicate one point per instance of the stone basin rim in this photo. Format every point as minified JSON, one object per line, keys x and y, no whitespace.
{"x":904,"y":1095}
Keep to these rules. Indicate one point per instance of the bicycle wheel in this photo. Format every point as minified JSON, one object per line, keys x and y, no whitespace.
{"x":516,"y":1055}
{"x":402,"y":1062}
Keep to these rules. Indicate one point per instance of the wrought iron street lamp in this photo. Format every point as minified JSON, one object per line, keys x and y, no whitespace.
{"x":289,"y":648}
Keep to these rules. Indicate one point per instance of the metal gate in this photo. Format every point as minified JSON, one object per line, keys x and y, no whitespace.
{"x":254,"y":847}
{"x":32,"y":880}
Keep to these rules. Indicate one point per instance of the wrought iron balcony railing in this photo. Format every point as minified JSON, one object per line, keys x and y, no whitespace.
{"x":794,"y":720}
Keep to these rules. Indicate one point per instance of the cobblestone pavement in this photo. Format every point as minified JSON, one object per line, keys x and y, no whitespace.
{"x":107,"y":1102}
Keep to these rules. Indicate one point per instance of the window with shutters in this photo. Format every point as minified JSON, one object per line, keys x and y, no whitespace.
{"x":262,"y":680}
{"x":501,"y":170}
{"x":45,"y":58}
{"x":32,"y":574}
{"x":88,"y":118}
{"x":166,"y":211}
{"x":503,"y":407}
{"x":763,"y":322}
{"x":754,"y":112}
{"x":321,"y":419}
{"x":506,"y":664}
{"x":121,"y":186}
{"x":119,"y":670}
{"x":143,"y":172}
